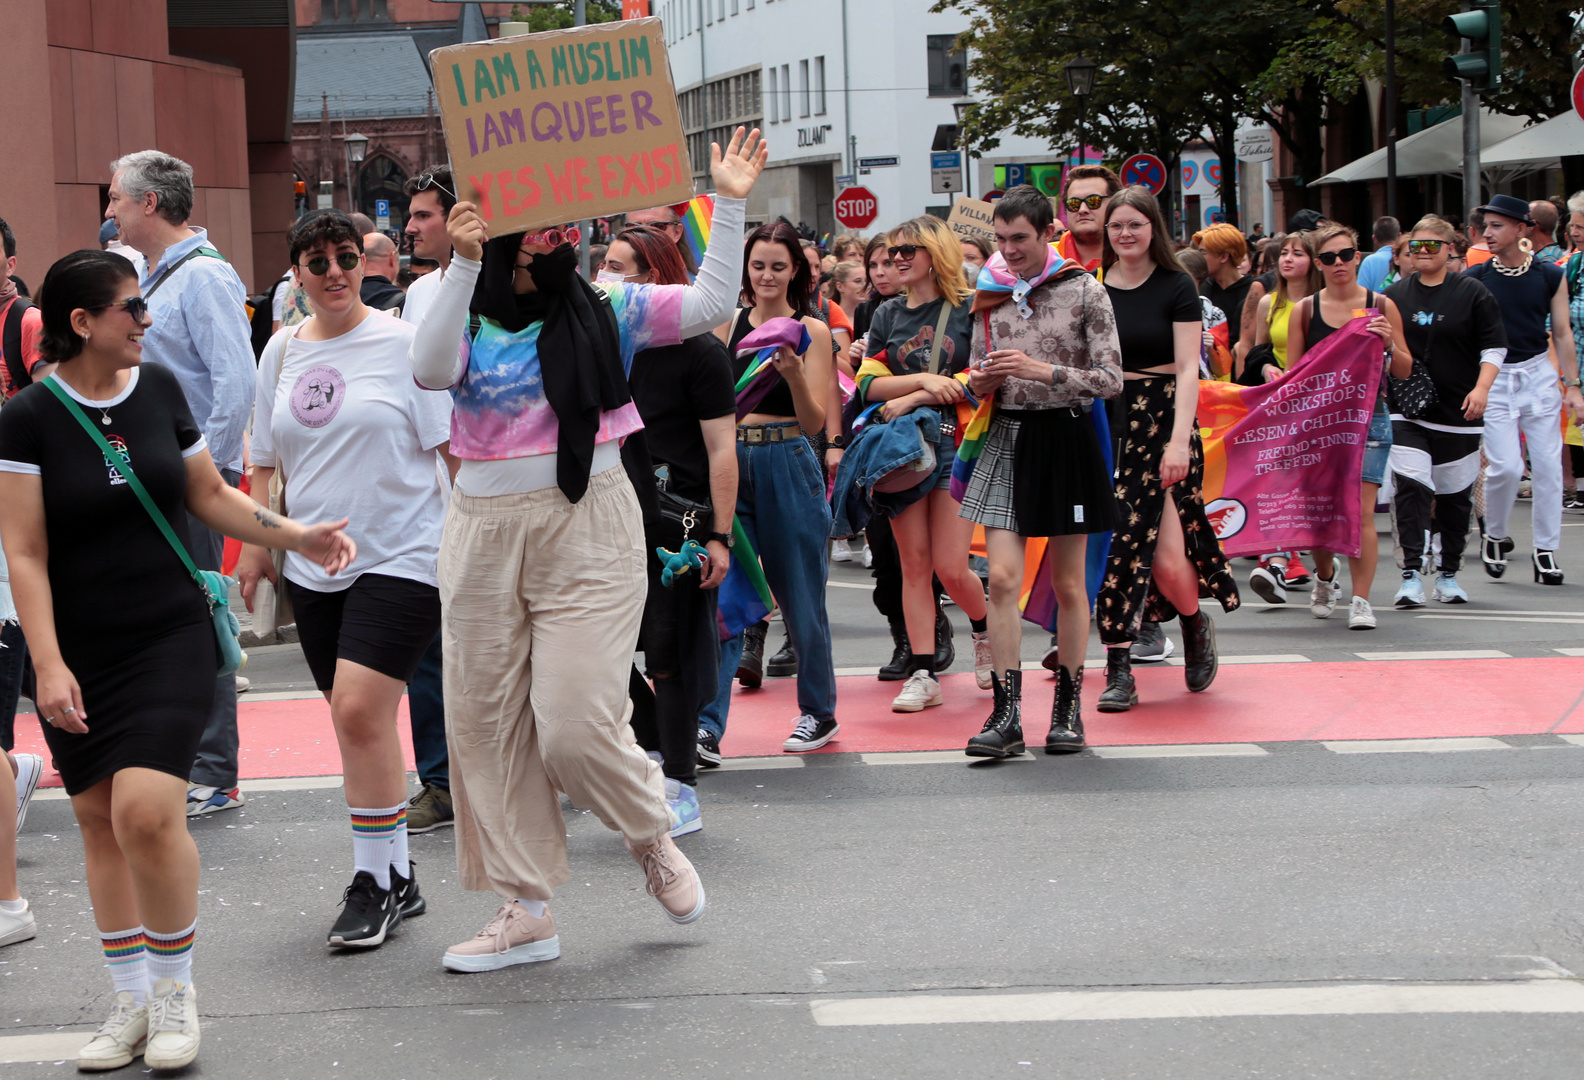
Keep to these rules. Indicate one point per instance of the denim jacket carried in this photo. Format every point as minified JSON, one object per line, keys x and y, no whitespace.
{"x":880,"y":448}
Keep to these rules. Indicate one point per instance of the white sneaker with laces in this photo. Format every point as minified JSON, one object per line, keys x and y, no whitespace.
{"x":919,"y":692}
{"x":841,"y":551}
{"x":172,"y":1025}
{"x":810,"y":734}
{"x":1360,"y":615}
{"x":119,"y":1039}
{"x":1323,"y":601}
{"x":1448,"y":591}
{"x":1411,"y":594}
{"x":30,"y":770}
{"x":984,"y":663}
{"x":868,"y":558}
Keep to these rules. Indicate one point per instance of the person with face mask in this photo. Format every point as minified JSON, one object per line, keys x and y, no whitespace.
{"x":542,"y":559}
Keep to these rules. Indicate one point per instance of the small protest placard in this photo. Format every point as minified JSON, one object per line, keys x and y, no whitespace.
{"x":971,"y":217}
{"x":564,"y":125}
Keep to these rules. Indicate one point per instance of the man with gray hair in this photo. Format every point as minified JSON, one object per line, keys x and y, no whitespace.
{"x":381,"y":264}
{"x":1542,"y":234}
{"x":200,"y":332}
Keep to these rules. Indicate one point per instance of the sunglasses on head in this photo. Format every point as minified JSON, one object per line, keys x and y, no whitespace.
{"x":904,"y":251}
{"x":1091,"y":201}
{"x":319,"y":265}
{"x":425,"y":181}
{"x":135,"y":306}
{"x":1425,"y":247}
{"x":1331,"y":258}
{"x":553,"y":237}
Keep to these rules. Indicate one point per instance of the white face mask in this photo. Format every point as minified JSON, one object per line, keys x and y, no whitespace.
{"x":606,"y":275}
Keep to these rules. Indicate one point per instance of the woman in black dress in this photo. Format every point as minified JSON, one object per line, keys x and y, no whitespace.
{"x":120,"y":635}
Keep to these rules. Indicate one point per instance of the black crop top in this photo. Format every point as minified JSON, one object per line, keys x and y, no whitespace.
{"x":778,"y":399}
{"x":1145,"y":317}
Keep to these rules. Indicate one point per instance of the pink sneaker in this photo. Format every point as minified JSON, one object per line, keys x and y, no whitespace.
{"x":512,"y":937}
{"x":671,"y":880}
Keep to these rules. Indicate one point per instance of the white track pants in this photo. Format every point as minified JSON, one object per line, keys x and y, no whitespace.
{"x":1525,"y":398}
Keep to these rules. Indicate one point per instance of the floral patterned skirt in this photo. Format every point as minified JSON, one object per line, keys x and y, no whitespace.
{"x":1128,"y":595}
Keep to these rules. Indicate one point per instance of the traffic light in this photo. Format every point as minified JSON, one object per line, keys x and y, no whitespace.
{"x":1480,"y":26}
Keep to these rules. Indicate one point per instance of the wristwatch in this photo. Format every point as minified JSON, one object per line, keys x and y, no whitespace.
{"x":1574,"y":381}
{"x":729,"y":539}
{"x":839,"y":442}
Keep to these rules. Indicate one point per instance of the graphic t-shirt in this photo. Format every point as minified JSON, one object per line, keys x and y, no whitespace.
{"x":906,"y":334}
{"x":1447,"y":327}
{"x":102,"y":543}
{"x":676,"y":386}
{"x":355,"y":437}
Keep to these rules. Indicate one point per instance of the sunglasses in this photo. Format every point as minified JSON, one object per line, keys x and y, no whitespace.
{"x":903,"y":251}
{"x":1331,"y":258}
{"x":554,"y":237}
{"x":135,"y":306}
{"x":1425,"y":247}
{"x":319,"y":265}
{"x":1091,"y":201}
{"x":425,"y":181}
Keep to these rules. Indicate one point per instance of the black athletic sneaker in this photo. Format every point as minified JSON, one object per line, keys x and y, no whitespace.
{"x":709,"y":755}
{"x":368,"y":914}
{"x":409,"y":901}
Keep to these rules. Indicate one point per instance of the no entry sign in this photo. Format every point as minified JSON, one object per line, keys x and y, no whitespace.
{"x":1578,"y":93}
{"x":1145,"y":170}
{"x":857,"y":207}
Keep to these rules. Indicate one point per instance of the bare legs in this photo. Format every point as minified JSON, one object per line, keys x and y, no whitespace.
{"x":1361,"y":569}
{"x":142,"y":863}
{"x":363,"y":707}
{"x":1005,"y":550}
{"x":932,"y":541}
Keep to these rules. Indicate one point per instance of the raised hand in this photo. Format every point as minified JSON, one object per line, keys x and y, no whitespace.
{"x":467,"y":231}
{"x":736,"y":170}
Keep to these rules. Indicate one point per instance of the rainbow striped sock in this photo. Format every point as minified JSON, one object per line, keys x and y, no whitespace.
{"x":125,"y":956}
{"x":170,"y":955}
{"x":398,"y":855}
{"x":374,"y":832}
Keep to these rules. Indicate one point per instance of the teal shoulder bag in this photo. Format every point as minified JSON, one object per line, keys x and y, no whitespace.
{"x":215,"y":585}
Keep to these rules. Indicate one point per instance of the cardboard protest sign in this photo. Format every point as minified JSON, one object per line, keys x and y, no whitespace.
{"x":568,"y":124}
{"x":971,"y":217}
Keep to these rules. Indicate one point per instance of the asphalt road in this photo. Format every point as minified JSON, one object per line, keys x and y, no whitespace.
{"x":1302,"y":913}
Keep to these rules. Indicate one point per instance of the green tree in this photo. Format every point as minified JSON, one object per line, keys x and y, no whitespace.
{"x":558,"y":16}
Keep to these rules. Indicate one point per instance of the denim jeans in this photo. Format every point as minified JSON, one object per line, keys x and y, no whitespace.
{"x":426,"y":710}
{"x":216,"y":765}
{"x":712,"y":717}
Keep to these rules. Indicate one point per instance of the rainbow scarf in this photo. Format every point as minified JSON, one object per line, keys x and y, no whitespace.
{"x":995,"y":279}
{"x":697,"y":216}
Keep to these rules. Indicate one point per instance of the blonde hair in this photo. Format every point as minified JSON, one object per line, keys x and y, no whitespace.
{"x":1223,"y":238}
{"x":847,"y":240}
{"x":945,"y":252}
{"x":1438,"y":225}
{"x":1329,"y":232}
{"x":838,"y":276}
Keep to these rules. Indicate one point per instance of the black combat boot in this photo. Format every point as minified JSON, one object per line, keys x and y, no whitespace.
{"x":750,"y":669}
{"x":1002,"y":736}
{"x":945,"y":651}
{"x":897,"y":669}
{"x":1120,"y":693}
{"x":784,"y":663}
{"x":1066,"y":733}
{"x":1199,"y":650}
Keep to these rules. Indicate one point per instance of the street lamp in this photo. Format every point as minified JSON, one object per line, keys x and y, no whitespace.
{"x":356,"y":147}
{"x":961,"y":108}
{"x":1080,"y":81}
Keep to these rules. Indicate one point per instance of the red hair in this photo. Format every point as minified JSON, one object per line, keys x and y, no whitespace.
{"x":657,"y":254}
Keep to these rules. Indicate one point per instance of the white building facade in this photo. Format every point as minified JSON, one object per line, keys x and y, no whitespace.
{"x":841,"y":88}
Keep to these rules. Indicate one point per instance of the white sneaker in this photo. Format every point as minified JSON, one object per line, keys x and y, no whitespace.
{"x":244,"y":684}
{"x":172,"y":1025}
{"x":868,"y":558}
{"x":1360,"y":615}
{"x":1323,"y":601}
{"x":30,"y":770}
{"x":1411,"y":594}
{"x":984,"y":663}
{"x":17,"y":926}
{"x":1447,"y":589}
{"x":119,"y":1039}
{"x":841,"y":551}
{"x":919,"y":692}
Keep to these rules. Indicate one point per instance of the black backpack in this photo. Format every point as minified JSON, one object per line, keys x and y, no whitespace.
{"x":11,"y":343}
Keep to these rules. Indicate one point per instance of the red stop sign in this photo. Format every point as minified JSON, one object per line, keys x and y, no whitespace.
{"x":857,"y":207}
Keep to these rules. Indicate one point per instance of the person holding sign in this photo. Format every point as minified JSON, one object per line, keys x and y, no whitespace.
{"x":1164,"y":550}
{"x":1316,"y":318}
{"x":542,"y":561}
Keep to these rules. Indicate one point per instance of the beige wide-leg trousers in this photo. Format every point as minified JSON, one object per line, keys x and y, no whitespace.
{"x":542,"y":600}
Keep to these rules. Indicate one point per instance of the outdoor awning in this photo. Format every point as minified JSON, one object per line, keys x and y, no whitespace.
{"x":1540,"y":145}
{"x":1436,"y":149}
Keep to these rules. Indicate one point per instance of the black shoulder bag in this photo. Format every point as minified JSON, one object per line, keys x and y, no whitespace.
{"x":1414,"y":396}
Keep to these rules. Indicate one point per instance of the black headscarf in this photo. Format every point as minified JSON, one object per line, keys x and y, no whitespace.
{"x":579,"y":346}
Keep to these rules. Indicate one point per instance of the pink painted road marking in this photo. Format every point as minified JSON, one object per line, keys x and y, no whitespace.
{"x":1411,"y":699}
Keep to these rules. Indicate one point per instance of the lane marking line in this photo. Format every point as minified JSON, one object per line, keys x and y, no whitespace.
{"x":1548,"y":996}
{"x":1570,"y":652}
{"x":1531,"y":619}
{"x":1576,"y":740}
{"x":1253,"y":658}
{"x":1437,"y":654}
{"x":51,"y":1046}
{"x":746,"y":764}
{"x":1182,"y":750}
{"x":930,"y":757}
{"x":1414,"y":746}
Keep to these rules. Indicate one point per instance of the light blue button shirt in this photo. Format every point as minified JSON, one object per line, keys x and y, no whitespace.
{"x":201,"y":333}
{"x":1376,"y":265}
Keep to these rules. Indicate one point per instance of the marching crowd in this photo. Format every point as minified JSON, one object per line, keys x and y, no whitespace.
{"x":490,"y":490}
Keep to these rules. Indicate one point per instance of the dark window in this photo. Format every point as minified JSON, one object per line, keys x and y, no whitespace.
{"x":948,"y":67}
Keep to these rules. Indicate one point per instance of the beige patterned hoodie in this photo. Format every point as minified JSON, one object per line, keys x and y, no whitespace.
{"x":1072,"y":326}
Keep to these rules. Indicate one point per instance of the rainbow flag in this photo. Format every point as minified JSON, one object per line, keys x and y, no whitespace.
{"x":697,"y":216}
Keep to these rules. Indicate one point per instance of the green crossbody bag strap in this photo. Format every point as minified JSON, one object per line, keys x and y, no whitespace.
{"x":112,"y":454}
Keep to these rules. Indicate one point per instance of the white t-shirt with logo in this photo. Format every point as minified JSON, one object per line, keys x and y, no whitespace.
{"x":355,"y":437}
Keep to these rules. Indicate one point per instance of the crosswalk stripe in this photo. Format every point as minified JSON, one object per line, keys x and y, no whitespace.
{"x":1182,"y":750}
{"x":1414,"y":746}
{"x":50,"y":1046}
{"x":1252,"y":658}
{"x":1365,"y":999}
{"x":1507,"y":618}
{"x":1437,"y":654}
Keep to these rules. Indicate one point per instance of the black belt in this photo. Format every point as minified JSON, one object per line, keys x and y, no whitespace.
{"x":760,"y":434}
